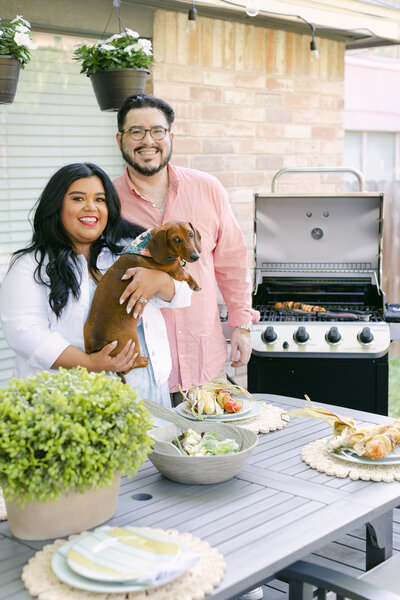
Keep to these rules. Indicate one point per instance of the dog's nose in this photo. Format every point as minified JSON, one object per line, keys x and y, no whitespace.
{"x":194,"y":257}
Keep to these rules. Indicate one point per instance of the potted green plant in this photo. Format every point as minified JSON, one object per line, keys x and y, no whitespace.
{"x":117,"y":67}
{"x":65,"y":439}
{"x":15,"y":46}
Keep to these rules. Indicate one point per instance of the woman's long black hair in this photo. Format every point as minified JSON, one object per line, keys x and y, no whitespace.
{"x":50,"y":238}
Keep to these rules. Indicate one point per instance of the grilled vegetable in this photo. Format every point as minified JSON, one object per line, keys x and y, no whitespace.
{"x":213,"y":399}
{"x":299,"y":306}
{"x":374,"y":442}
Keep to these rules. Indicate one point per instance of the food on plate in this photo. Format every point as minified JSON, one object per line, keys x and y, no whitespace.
{"x":214,"y":398}
{"x":204,"y":444}
{"x":375,"y":441}
{"x":299,"y":306}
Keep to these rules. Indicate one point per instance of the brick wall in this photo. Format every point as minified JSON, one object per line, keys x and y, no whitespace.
{"x":249,"y":102}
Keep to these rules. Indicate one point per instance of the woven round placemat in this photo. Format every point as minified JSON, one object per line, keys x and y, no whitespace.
{"x":3,"y":511}
{"x":194,"y":584}
{"x":317,"y":457}
{"x":270,"y":418}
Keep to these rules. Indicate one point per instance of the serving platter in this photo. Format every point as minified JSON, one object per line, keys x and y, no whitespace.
{"x":249,"y":409}
{"x":84,"y":575}
{"x":350,"y":456}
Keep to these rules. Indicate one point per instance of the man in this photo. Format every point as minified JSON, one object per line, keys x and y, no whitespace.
{"x":153,"y":192}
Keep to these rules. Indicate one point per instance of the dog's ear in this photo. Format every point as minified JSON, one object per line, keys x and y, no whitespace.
{"x":158,"y":247}
{"x":197,"y":238}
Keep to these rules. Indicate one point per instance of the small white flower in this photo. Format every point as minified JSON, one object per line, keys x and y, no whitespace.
{"x":132,"y":33}
{"x":1,"y":32}
{"x":21,"y":39}
{"x":129,"y":49}
{"x":21,"y":18}
{"x":107,"y":47}
{"x":144,"y":45}
{"x":22,"y":29}
{"x":116,"y":36}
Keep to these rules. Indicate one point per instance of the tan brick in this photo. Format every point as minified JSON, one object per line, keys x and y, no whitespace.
{"x":159,"y":32}
{"x":332,"y":88}
{"x":182,"y":40}
{"x":235,"y":163}
{"x":250,"y":80}
{"x":202,"y":94}
{"x":218,"y":34}
{"x":331,"y":102}
{"x":331,"y":147}
{"x":171,"y":91}
{"x":207,"y":163}
{"x":278,"y":115}
{"x":270,"y":50}
{"x":218,"y":112}
{"x":297,"y":131}
{"x":280,"y":84}
{"x":238,"y":97}
{"x":307,"y":116}
{"x":307,"y":86}
{"x":279,"y":147}
{"x":206,"y":27}
{"x":249,"y":114}
{"x":253,"y":146}
{"x":234,"y":130}
{"x":229,"y":45}
{"x":306,"y":146}
{"x":267,"y":99}
{"x":289,"y":52}
{"x":280,"y":58}
{"x":183,"y":74}
{"x":186,"y":145}
{"x":301,"y":100}
{"x":221,"y":146}
{"x":181,"y":128}
{"x":202,"y":129}
{"x":239,"y":47}
{"x":218,"y":78}
{"x":250,"y":50}
{"x":259,"y":49}
{"x":266,"y":163}
{"x":171,"y":37}
{"x":181,"y":161}
{"x":194,"y":48}
{"x":159,"y":72}
{"x":269,"y":131}
{"x":252,"y":178}
{"x":324,"y":132}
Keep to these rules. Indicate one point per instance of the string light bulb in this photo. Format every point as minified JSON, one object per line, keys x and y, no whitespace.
{"x":252,"y":7}
{"x":314,"y":47}
{"x":192,"y":16}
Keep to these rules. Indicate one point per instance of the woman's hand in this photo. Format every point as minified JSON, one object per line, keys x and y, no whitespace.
{"x":145,"y":283}
{"x":120,"y":363}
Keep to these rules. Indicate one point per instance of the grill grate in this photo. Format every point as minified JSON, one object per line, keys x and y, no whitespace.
{"x":271,"y":314}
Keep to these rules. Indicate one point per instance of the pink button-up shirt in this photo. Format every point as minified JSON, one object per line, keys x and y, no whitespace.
{"x":197,"y":344}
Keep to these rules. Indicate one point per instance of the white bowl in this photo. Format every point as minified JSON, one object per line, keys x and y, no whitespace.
{"x":201,"y":469}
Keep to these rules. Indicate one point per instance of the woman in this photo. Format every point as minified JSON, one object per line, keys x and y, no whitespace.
{"x":47,"y":292}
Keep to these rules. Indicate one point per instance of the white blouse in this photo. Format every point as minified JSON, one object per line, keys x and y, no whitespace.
{"x":38,"y":337}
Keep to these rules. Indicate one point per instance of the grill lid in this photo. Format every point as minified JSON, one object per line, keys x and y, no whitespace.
{"x":301,"y":234}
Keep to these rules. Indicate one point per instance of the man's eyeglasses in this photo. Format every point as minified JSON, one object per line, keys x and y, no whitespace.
{"x":138,"y":133}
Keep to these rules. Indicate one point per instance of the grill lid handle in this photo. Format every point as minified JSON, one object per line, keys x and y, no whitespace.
{"x":287,"y":170}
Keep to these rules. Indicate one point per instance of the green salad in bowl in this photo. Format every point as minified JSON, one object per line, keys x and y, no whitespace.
{"x":205,"y":443}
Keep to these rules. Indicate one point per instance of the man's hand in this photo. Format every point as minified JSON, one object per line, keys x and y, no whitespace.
{"x":145,"y":283}
{"x":240,"y":342}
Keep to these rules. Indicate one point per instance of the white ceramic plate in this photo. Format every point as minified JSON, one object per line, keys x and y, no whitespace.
{"x":350,"y":456}
{"x":61,"y":567}
{"x":249,"y":409}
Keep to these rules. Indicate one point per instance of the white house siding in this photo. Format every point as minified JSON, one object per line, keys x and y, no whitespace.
{"x":54,"y":120}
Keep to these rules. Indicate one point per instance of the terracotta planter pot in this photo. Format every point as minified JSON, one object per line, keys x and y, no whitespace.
{"x":113,"y":86}
{"x":67,"y":515}
{"x":9,"y":74}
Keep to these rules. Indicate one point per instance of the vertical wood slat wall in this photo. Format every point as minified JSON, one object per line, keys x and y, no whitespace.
{"x":54,"y":121}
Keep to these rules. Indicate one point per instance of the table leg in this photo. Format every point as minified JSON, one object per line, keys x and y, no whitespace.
{"x":300,"y":591}
{"x":379,"y":540}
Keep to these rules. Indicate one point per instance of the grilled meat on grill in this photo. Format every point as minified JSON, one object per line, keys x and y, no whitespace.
{"x":299,"y":306}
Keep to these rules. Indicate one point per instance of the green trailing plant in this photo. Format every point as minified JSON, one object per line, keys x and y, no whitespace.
{"x":15,"y":39}
{"x":68,"y":431}
{"x":120,"y":51}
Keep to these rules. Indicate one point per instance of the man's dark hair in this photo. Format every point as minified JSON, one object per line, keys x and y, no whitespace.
{"x":144,"y":101}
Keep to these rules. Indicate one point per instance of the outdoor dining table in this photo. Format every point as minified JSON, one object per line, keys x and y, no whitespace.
{"x":275,"y":511}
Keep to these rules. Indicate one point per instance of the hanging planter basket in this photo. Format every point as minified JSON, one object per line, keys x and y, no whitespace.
{"x":113,"y":86}
{"x":9,"y":74}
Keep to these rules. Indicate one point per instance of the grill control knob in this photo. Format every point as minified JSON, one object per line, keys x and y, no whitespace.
{"x":333,"y":336}
{"x":301,"y":335}
{"x":269,"y":335}
{"x":365,"y":336}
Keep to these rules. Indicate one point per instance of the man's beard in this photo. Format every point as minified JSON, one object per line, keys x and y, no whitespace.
{"x":146,"y":171}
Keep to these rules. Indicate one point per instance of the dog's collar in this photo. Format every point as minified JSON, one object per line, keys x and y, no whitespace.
{"x":139,"y":246}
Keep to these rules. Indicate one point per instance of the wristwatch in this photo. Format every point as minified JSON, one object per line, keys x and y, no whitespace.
{"x":246,"y":326}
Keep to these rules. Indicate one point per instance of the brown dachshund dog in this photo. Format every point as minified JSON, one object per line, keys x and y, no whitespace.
{"x":108,"y":319}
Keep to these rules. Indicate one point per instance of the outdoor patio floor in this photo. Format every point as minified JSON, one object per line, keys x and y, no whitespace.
{"x":347,"y":555}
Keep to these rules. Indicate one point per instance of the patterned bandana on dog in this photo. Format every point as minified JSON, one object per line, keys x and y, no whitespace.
{"x":139,"y":246}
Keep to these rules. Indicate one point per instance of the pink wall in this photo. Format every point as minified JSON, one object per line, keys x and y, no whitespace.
{"x":372,"y":94}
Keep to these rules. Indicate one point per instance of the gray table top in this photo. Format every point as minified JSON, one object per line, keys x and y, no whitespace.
{"x":276,"y":511}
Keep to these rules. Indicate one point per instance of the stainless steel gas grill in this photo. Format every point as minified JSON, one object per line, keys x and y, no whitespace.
{"x":318,"y":288}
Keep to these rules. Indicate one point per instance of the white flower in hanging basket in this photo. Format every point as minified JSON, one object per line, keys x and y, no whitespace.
{"x":120,"y":51}
{"x":15,"y":39}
